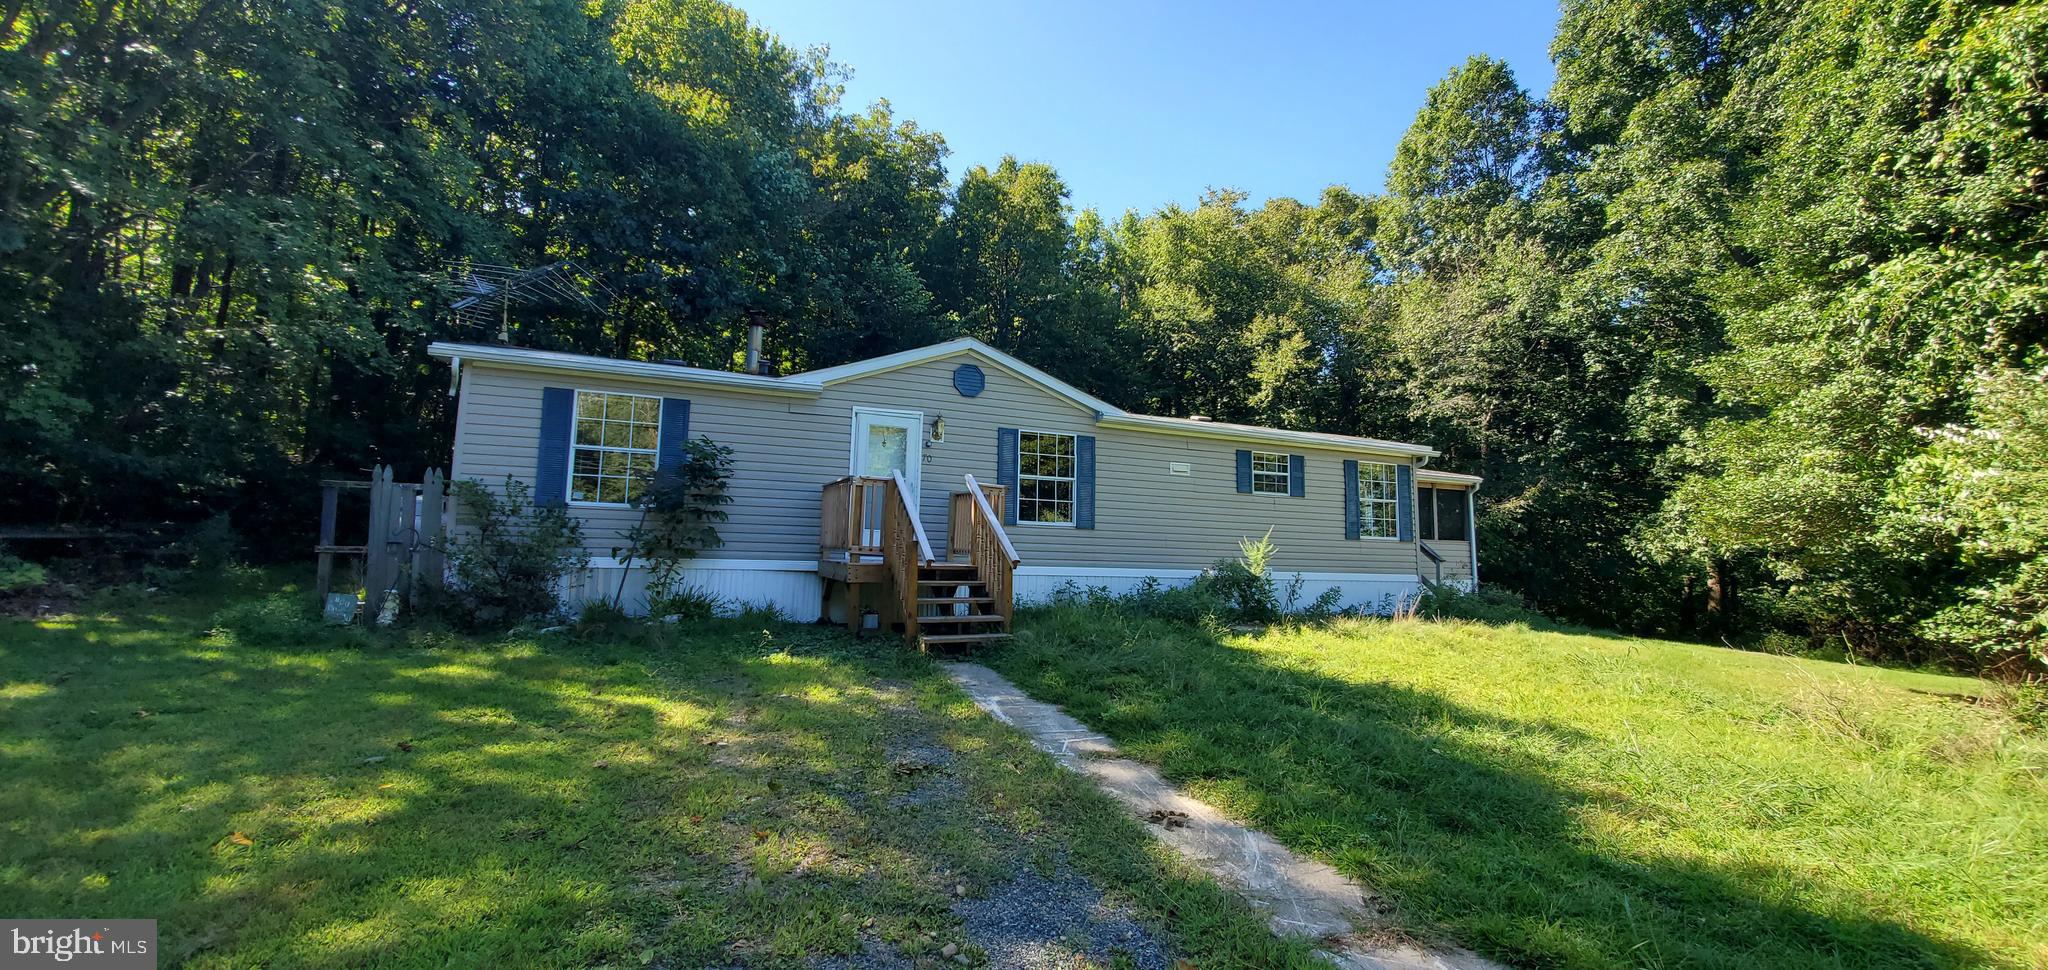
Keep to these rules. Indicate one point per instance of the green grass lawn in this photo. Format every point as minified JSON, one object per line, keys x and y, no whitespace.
{"x":1573,"y":799}
{"x":277,"y":793}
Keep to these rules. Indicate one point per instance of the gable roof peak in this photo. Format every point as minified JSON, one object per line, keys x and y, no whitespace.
{"x":946,"y":348}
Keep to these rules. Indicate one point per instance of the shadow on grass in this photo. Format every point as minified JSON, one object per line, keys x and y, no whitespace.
{"x":1445,"y":809}
{"x":279,"y":792}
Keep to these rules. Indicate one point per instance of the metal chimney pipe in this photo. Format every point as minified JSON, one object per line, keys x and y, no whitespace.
{"x":757,"y":325}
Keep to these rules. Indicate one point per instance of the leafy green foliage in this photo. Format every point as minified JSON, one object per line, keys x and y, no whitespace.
{"x":688,"y":603}
{"x":19,"y":574}
{"x":1726,"y":319}
{"x":680,"y":512}
{"x":508,"y":564}
{"x":1246,"y":585}
{"x":1888,"y":297}
{"x":1982,"y":490}
{"x":1487,"y":604}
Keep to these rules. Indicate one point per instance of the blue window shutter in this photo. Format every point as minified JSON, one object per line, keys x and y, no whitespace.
{"x":1084,"y":481}
{"x":1006,"y":471}
{"x":1350,"y":498}
{"x":1297,"y":476}
{"x":1404,"y":509}
{"x":1244,"y":470}
{"x":551,"y":471}
{"x":675,"y":432}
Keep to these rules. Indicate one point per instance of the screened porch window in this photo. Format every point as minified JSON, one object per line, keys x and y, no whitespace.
{"x":1444,"y":513}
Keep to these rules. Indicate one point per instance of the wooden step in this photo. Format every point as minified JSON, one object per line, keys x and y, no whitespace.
{"x":960,"y":618}
{"x":949,"y":600}
{"x":949,"y":567}
{"x":966,"y":581}
{"x":964,"y":638}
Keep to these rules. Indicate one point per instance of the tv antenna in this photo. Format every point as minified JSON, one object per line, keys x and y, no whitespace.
{"x":483,"y":292}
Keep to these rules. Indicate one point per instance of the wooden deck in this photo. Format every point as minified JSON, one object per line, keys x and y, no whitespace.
{"x":877,"y":561}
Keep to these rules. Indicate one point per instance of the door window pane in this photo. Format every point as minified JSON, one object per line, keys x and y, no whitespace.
{"x":888,"y":450}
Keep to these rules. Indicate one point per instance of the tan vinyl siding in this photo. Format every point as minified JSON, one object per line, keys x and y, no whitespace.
{"x":781,"y":457}
{"x":1144,"y":516}
{"x":786,"y":449}
{"x":1457,"y":561}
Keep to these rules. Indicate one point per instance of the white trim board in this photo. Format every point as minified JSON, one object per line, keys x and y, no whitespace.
{"x":797,"y":593}
{"x":1187,"y":427}
{"x":1183,"y":572}
{"x":676,"y":375}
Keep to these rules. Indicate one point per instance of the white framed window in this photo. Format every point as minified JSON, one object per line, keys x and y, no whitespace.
{"x":1379,"y":500}
{"x":1045,"y":477}
{"x":613,"y":447}
{"x":1269,"y":473}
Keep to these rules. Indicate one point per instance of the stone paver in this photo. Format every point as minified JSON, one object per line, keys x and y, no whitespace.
{"x":1303,"y":897}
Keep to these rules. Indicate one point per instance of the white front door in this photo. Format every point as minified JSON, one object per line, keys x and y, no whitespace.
{"x":885,"y":442}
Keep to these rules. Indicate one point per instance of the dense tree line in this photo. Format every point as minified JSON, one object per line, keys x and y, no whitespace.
{"x":1743,"y":321}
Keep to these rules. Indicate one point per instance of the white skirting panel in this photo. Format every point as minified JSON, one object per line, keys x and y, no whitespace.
{"x":1374,"y":592}
{"x":1036,"y":584}
{"x":791,"y":587}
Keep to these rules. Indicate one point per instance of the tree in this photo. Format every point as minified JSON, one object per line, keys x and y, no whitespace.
{"x":1011,"y":269}
{"x":1895,"y":225}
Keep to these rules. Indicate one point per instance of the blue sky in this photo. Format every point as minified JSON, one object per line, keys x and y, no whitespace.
{"x":1141,"y":104}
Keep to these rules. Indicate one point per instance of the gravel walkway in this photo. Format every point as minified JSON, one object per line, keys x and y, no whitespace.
{"x":1047,"y":916}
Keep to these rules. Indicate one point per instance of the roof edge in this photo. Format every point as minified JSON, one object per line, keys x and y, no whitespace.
{"x":930,"y":352}
{"x":557,"y":362}
{"x":1439,"y":475}
{"x":1251,"y":432}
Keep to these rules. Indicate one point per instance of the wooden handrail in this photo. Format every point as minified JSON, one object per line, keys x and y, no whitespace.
{"x":905,"y":550}
{"x":995,"y":521}
{"x":1433,"y":557}
{"x":995,"y":559}
{"x":924,"y":546}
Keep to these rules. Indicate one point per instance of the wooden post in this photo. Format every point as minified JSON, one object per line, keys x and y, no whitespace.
{"x":387,"y":508}
{"x":429,"y":560}
{"x":373,"y":549}
{"x":324,"y":579}
{"x":853,"y":599}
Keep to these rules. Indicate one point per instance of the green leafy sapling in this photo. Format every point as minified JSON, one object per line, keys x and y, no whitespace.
{"x":680,"y":512}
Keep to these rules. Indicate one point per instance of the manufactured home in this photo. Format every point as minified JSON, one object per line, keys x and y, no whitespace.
{"x":934,"y":488}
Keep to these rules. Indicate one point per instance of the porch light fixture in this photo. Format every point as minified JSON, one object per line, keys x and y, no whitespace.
{"x":939,"y":428}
